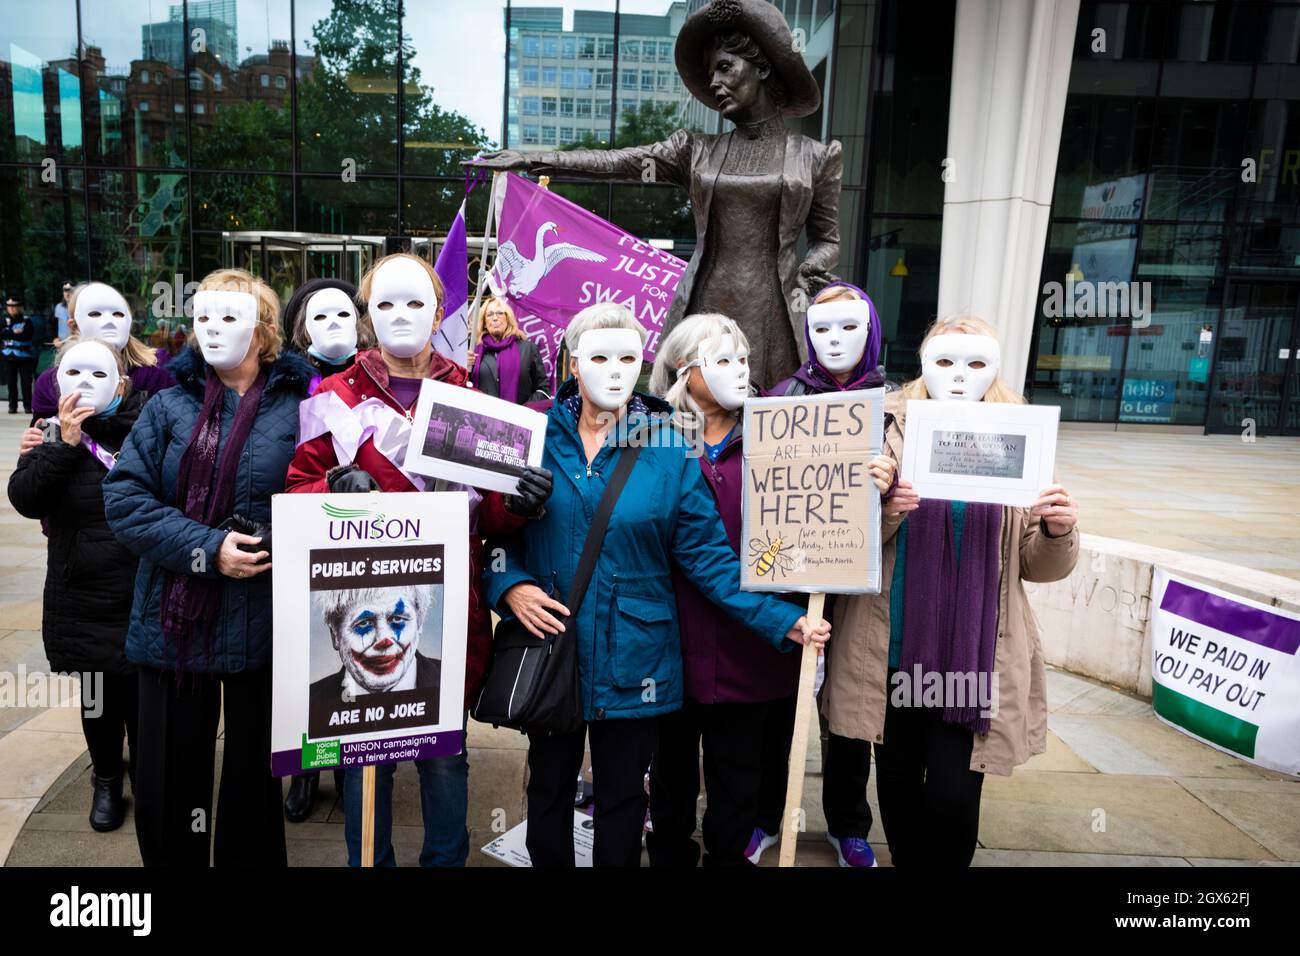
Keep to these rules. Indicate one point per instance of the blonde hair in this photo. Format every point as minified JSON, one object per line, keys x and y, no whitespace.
{"x":681,"y":346}
{"x":135,"y":352}
{"x":834,"y":293}
{"x":365,"y":324}
{"x":999,"y":391}
{"x":512,"y":324}
{"x":267,"y":336}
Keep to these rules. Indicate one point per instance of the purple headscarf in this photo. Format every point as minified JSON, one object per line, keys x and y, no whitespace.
{"x":866,"y":374}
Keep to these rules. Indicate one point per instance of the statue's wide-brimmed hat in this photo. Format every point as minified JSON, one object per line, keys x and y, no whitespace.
{"x":766,"y":25}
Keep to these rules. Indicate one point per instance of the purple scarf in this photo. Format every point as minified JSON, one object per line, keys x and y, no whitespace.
{"x":507,"y":353}
{"x":946,"y":628}
{"x":190,"y":604}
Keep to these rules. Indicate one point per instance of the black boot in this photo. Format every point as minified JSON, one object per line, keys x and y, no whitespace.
{"x":107,"y":808}
{"x":302,"y":795}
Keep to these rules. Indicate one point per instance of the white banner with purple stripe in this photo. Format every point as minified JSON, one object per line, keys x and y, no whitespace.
{"x":1225,"y":670}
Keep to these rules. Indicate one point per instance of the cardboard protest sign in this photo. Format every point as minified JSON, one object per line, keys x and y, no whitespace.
{"x":811,"y":519}
{"x":1225,"y":670}
{"x":511,"y":847}
{"x":465,"y":436}
{"x":371,"y":596}
{"x":993,"y":452}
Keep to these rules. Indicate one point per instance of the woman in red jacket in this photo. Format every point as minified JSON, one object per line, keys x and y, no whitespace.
{"x":403,"y":297}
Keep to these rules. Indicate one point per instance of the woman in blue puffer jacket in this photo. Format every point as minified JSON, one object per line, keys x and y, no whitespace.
{"x":629,"y":650}
{"x":206,"y":456}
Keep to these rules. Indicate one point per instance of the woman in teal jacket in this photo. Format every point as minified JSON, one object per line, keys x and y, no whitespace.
{"x":629,"y":650}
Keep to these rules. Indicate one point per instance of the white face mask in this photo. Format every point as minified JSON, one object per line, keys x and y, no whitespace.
{"x":726,"y":372}
{"x":331,"y":321}
{"x":224,"y":323}
{"x":403,"y":307}
{"x":102,"y":313}
{"x":90,"y":370}
{"x":609,"y":362}
{"x":839,"y":331}
{"x":960,"y":366}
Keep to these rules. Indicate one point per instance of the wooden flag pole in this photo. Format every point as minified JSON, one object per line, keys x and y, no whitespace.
{"x":368,"y":815}
{"x":791,"y":820}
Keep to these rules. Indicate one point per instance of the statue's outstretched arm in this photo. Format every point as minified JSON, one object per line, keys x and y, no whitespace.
{"x":667,"y":161}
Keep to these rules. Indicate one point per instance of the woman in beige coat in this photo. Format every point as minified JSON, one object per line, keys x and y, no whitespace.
{"x":943,"y":670}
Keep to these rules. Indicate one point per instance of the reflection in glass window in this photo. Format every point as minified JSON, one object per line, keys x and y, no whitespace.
{"x":566,"y":79}
{"x":584,"y":108}
{"x":347,"y":100}
{"x":604,"y":79}
{"x":548,"y":106}
{"x":550,"y":76}
{"x":569,"y":48}
{"x":449,"y":111}
{"x":242,"y":87}
{"x":566,"y":106}
{"x":122,"y":40}
{"x":548,"y":135}
{"x":629,"y":50}
{"x":532,"y":46}
{"x":528,"y":76}
{"x":550,"y":46}
{"x":582,"y":79}
{"x":531,"y":106}
{"x":40,"y":219}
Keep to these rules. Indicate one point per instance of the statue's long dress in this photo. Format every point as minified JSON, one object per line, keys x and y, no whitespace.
{"x":739,"y":277}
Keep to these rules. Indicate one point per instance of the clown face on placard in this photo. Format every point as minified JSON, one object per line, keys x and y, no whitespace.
{"x":403,"y":307}
{"x":376,"y":632}
{"x":839,"y":330}
{"x":102,"y":313}
{"x":224,"y":323}
{"x":959,"y":366}
{"x":330,"y":318}
{"x":608,"y":365}
{"x":90,"y":370}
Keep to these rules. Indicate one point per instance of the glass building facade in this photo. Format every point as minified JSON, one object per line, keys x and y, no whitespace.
{"x":146,"y":142}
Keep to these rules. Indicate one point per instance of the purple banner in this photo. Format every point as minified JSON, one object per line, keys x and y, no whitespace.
{"x":555,"y":258}
{"x":1241,"y":620}
{"x":285,"y":763}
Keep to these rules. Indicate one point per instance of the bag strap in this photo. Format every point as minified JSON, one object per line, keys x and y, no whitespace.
{"x":596,"y":534}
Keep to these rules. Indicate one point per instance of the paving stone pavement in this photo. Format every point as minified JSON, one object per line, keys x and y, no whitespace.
{"x":1115,"y":787}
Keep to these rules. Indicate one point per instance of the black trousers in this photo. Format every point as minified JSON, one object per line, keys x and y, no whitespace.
{"x":620,"y":753}
{"x":732,"y":735}
{"x":110,"y":719}
{"x":176,"y":766}
{"x":846,"y":771}
{"x":19,"y":371}
{"x":929,"y":796}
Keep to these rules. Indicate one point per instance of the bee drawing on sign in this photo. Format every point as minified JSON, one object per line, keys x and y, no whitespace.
{"x":766,"y":557}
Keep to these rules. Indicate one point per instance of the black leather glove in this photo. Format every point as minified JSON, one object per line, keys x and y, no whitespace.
{"x":534,"y":488}
{"x":256,"y":529}
{"x":351,"y":479}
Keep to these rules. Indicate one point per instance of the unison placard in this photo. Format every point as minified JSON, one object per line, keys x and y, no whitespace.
{"x":371,"y":605}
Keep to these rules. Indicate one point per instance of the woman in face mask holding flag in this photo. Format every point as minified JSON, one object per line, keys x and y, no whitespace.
{"x":628,"y":647}
{"x":88,"y":574}
{"x":952,"y":611}
{"x":403,"y":298}
{"x":191,"y":495}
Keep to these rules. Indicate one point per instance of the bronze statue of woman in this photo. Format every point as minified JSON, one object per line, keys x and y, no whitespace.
{"x":753,"y":190}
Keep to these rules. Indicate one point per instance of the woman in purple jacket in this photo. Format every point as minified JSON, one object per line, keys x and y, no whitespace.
{"x":734,"y":682}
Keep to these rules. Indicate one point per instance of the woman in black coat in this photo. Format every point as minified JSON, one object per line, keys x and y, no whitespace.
{"x":89,"y":577}
{"x":506,"y":364}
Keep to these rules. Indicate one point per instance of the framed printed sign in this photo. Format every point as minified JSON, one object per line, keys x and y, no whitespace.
{"x":993,"y":452}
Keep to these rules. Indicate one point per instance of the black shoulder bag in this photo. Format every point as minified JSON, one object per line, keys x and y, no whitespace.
{"x":532,"y":685}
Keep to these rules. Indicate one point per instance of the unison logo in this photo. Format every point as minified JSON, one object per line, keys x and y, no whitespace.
{"x":358,"y":524}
